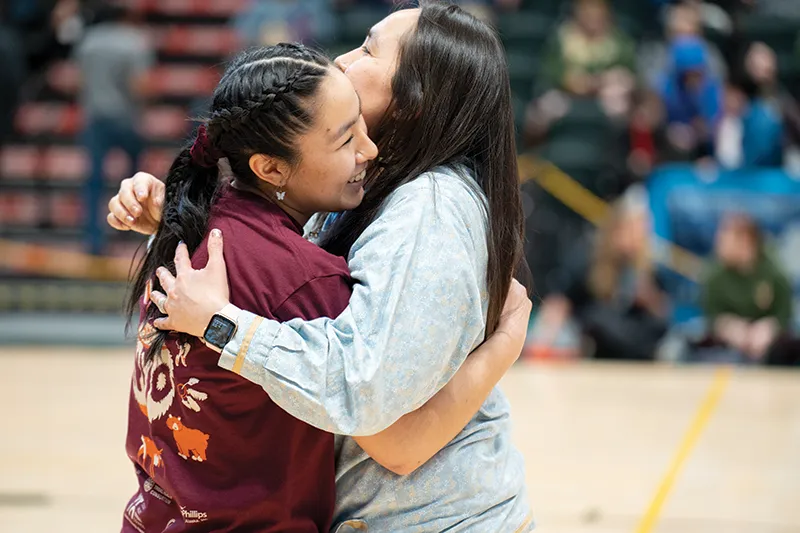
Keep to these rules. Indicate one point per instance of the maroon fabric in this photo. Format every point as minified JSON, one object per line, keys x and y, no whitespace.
{"x":212,"y":452}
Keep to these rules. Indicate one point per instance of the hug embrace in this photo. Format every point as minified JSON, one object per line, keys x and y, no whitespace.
{"x":327,"y":302}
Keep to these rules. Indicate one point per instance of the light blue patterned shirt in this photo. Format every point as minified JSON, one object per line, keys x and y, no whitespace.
{"x":417,"y":310}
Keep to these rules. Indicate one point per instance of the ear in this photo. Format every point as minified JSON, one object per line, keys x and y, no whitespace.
{"x":269,"y":169}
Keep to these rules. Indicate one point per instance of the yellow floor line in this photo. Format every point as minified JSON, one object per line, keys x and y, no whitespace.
{"x":701,"y":419}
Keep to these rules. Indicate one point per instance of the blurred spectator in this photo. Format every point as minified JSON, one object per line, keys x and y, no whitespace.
{"x":588,"y":53}
{"x":681,"y":20}
{"x":692,"y":98}
{"x":268,"y":22}
{"x":586,"y":59}
{"x":729,"y":148}
{"x":648,"y":136}
{"x":775,"y":114}
{"x":747,"y":299}
{"x":580,"y":124}
{"x":114,"y":59}
{"x":32,"y":34}
{"x":608,"y":286}
{"x":761,"y":120}
{"x":47,"y":28}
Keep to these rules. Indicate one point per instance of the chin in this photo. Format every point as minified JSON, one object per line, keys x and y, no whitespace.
{"x":352,"y":201}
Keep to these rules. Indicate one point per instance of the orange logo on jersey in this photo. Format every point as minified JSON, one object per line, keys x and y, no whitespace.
{"x":148,"y":450}
{"x":190,"y":441}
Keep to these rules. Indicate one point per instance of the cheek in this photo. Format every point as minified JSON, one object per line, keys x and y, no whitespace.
{"x":374,"y":86}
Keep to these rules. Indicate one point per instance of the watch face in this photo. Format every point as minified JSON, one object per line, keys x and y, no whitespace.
{"x":219,"y":331}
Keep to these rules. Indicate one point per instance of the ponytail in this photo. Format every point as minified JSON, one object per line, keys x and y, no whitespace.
{"x":191,"y":186}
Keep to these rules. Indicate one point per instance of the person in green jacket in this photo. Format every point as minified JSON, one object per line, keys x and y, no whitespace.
{"x":747,"y":298}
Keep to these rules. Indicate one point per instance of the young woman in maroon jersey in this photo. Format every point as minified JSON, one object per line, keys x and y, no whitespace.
{"x":212,"y":452}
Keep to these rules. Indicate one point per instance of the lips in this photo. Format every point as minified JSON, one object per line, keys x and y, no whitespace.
{"x":358,"y":177}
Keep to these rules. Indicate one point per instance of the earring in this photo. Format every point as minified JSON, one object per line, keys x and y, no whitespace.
{"x":280,"y":195}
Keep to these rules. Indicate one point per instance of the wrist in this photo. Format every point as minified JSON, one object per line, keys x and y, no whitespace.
{"x":221,"y":327}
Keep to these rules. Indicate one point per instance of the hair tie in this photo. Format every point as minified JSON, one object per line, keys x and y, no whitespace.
{"x":202,"y":152}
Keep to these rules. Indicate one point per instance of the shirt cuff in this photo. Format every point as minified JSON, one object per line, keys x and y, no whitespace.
{"x":248,"y":351}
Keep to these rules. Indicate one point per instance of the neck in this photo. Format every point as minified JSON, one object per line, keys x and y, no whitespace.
{"x":269,"y":195}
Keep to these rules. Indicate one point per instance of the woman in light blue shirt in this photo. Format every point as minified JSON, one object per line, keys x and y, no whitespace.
{"x":432,"y":249}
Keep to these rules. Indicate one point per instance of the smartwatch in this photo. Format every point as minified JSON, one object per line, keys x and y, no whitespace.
{"x":221,"y":328}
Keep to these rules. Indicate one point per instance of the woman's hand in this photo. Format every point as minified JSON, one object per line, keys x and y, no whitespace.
{"x":192,"y":296}
{"x":137,"y":205}
{"x":513,"y":327}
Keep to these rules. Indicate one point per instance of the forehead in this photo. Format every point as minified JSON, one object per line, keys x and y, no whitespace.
{"x":395,"y":25}
{"x":337,"y":101}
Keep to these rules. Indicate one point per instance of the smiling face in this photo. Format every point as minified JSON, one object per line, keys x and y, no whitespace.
{"x":372,"y":66}
{"x":333,"y":154}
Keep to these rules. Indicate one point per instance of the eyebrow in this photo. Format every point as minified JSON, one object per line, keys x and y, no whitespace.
{"x":341,"y":131}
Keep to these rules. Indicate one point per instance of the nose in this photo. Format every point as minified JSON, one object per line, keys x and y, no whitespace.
{"x":367,"y":151}
{"x":341,"y":62}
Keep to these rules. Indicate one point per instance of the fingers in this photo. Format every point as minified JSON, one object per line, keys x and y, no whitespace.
{"x":160,"y":300}
{"x":127,"y":198}
{"x":167,"y":281}
{"x":157,"y":192}
{"x":517,"y":299}
{"x":115,"y":223}
{"x":142,"y":185}
{"x":216,"y":258}
{"x":164,"y":324}
{"x":123,"y":217}
{"x":183,"y":263}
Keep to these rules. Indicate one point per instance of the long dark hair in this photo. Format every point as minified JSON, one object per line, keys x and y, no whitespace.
{"x":261,"y":105}
{"x":451,"y":105}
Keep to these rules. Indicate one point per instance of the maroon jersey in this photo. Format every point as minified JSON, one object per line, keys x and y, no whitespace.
{"x":211,"y":450}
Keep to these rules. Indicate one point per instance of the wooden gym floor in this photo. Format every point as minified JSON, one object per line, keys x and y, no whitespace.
{"x":609,"y":448}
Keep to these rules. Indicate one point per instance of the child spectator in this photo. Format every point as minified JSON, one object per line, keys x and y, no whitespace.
{"x":682,"y":20}
{"x":692,"y":98}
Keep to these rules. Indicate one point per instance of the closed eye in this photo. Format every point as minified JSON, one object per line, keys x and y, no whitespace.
{"x":365,"y":49}
{"x":348,"y":141}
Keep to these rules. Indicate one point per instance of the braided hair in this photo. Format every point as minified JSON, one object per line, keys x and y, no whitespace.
{"x":260,"y":106}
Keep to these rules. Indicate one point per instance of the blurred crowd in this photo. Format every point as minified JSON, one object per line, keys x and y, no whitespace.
{"x":608,"y":108}
{"x":607,"y":91}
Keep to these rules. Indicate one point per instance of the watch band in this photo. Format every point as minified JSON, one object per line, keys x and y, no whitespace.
{"x":231,"y":312}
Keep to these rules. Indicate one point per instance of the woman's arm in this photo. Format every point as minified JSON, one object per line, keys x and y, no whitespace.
{"x":417,"y":310}
{"x":416,"y":437}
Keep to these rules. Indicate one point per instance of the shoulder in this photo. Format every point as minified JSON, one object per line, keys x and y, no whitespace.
{"x":438,"y":205}
{"x":444,"y":190}
{"x":264,"y":252}
{"x":772,"y":268}
{"x":714,"y":274}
